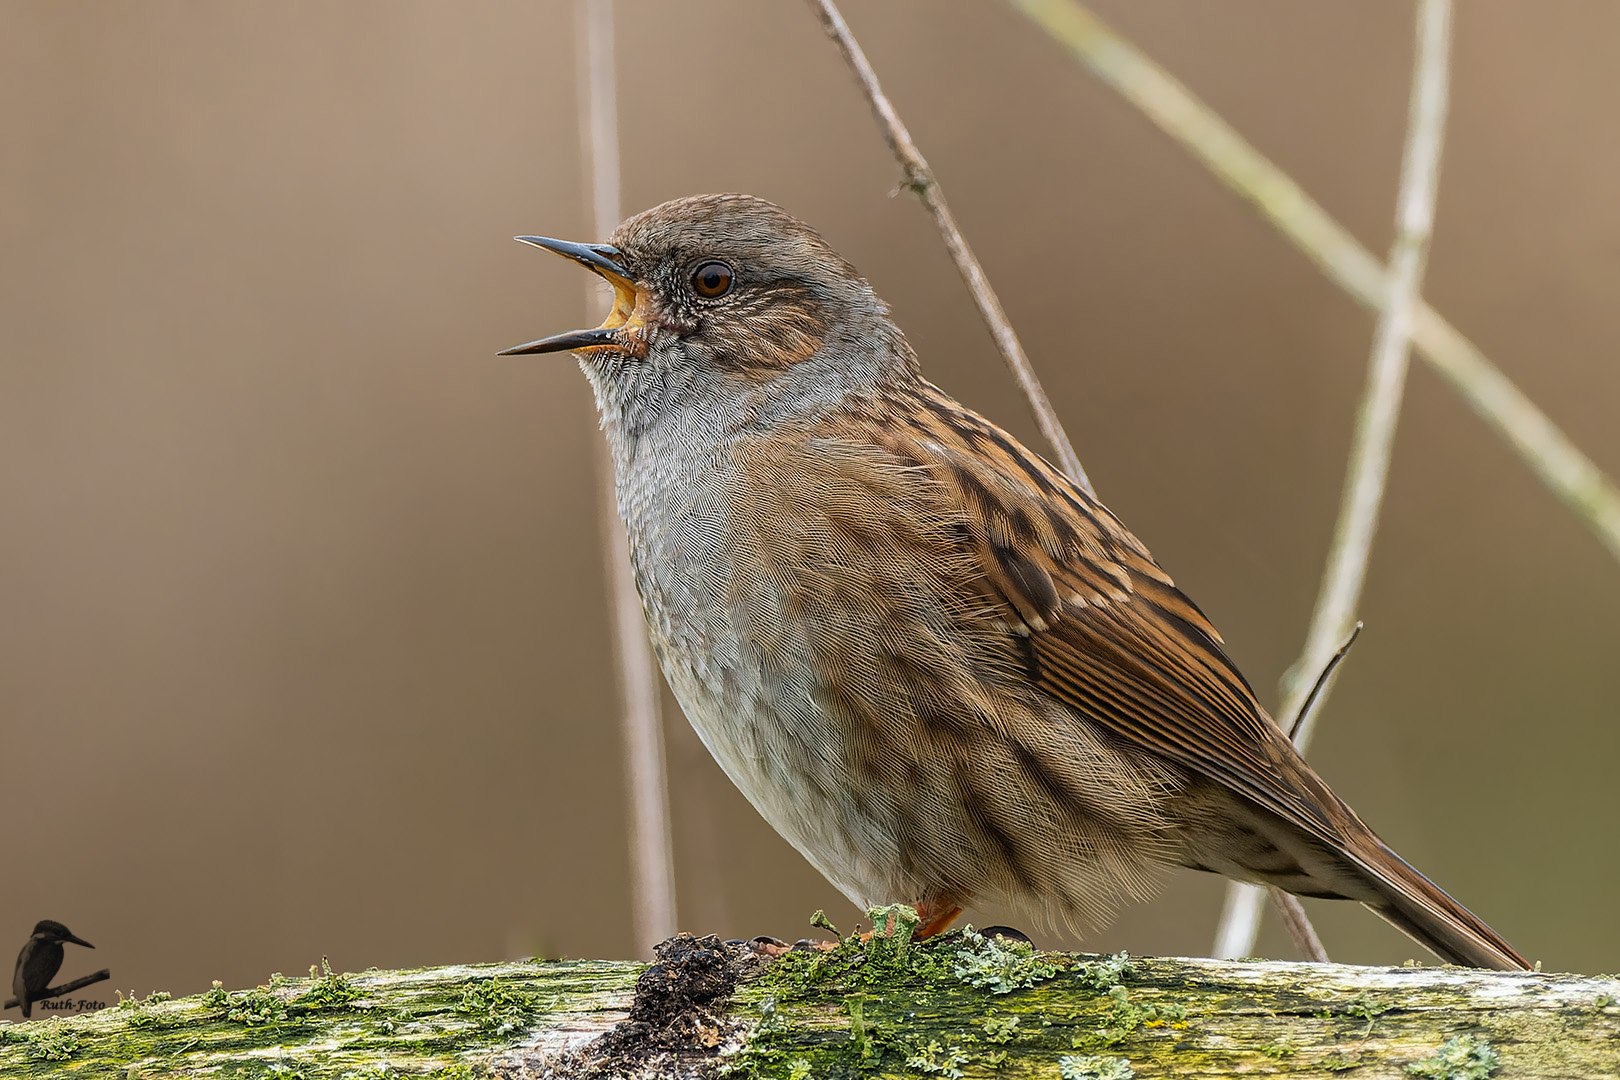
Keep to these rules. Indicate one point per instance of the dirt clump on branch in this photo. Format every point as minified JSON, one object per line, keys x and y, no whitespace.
{"x":677,"y":1024}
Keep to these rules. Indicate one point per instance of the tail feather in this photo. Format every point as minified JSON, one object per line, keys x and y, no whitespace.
{"x":1330,"y":853}
{"x":1424,"y":912}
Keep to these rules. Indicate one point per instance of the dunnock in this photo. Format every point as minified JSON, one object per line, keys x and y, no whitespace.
{"x":939,"y":669}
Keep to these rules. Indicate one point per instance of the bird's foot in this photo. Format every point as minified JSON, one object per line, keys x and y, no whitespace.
{"x":895,"y":921}
{"x":774,"y":947}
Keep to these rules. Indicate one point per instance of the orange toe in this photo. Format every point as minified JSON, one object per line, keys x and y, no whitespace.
{"x":936,"y":917}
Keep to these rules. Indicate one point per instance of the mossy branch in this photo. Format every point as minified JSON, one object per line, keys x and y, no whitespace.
{"x":957,"y":1006}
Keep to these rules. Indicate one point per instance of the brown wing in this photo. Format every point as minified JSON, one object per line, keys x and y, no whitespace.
{"x":1113,"y":638}
{"x":1111,"y":634}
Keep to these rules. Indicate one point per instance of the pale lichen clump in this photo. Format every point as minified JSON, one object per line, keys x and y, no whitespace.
{"x":1461,"y":1057}
{"x":998,"y":965}
{"x":1076,"y":1067}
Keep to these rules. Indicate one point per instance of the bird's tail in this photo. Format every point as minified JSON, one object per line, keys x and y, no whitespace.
{"x":1341,"y":858}
{"x":1421,"y":909}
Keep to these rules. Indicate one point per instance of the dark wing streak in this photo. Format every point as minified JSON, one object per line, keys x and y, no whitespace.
{"x":1135,"y":654}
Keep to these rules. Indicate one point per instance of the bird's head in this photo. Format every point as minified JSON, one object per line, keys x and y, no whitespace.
{"x":51,"y":930}
{"x":728,"y":289}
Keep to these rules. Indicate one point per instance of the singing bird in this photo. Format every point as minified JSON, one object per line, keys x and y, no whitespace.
{"x":39,"y":961}
{"x":941,"y":670}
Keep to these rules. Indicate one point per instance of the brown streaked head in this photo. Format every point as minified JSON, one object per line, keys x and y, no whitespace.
{"x":730,"y":281}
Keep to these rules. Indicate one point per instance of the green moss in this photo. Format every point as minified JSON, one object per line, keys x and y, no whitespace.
{"x":1126,"y":1016}
{"x":1461,"y":1057}
{"x":855,"y":1005}
{"x":255,"y":1007}
{"x":900,"y":997}
{"x":889,"y":956}
{"x":1106,"y":973}
{"x":922,"y":1009}
{"x":1363,"y":1006}
{"x":892,"y":928}
{"x":216,"y":998}
{"x":43,"y":1040}
{"x":497,"y":1006}
{"x":938,"y":1060}
{"x":1000,"y":1029}
{"x":770,"y":1020}
{"x":138,"y":1012}
{"x":328,"y":990}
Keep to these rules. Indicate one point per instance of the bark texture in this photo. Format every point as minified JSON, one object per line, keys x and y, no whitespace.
{"x":961,"y":1005}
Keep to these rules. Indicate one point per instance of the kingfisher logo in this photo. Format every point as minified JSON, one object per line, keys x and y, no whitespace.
{"x":37,"y":965}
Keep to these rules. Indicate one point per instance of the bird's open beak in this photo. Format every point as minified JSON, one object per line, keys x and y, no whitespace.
{"x":601,"y":259}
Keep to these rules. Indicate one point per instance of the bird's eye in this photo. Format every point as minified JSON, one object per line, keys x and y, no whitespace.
{"x":712,"y":279}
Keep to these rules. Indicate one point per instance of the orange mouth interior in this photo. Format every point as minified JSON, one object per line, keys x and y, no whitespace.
{"x":626,"y":312}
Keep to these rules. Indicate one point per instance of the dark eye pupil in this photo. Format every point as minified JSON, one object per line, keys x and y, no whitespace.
{"x":712,"y":279}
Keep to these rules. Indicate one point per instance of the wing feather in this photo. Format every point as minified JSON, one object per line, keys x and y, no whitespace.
{"x":1112,"y":636}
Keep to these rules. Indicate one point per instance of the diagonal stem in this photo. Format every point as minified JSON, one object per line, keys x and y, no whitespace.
{"x":1374,"y":440}
{"x":1570,"y":474}
{"x":919,"y":178}
{"x":1295,"y":921}
{"x":1386,"y":376}
{"x":1583,"y":488}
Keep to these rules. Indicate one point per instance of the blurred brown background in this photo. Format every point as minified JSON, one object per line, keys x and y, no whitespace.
{"x":302,"y":648}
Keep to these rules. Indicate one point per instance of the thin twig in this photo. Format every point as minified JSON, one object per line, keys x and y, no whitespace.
{"x":1296,"y":922}
{"x":640,"y":688}
{"x":1240,"y":915}
{"x":919,"y":178}
{"x":1580,"y":484}
{"x":1318,"y":693}
{"x":1374,"y":440}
